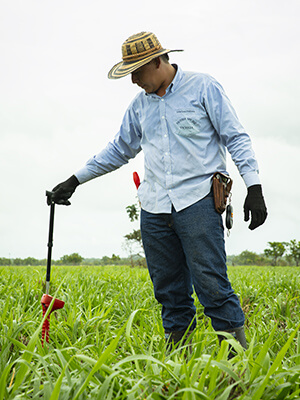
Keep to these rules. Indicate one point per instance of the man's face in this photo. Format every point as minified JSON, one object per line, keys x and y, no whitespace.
{"x":147,"y":77}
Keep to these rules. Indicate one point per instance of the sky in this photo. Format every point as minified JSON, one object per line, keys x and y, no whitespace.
{"x":58,"y":108}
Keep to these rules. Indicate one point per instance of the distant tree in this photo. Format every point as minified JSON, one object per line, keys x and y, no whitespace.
{"x":72,"y":259}
{"x":276,"y":251}
{"x":133,"y":244}
{"x":248,"y":258}
{"x":133,"y":212}
{"x":115,"y":259}
{"x":5,"y":261}
{"x":105,"y":260}
{"x":135,"y":235}
{"x":294,"y":250}
{"x":30,"y":261}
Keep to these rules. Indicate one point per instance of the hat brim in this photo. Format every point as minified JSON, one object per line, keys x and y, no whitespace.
{"x":124,"y":68}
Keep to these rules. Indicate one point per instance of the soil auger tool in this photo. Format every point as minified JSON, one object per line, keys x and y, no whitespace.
{"x":46,"y":298}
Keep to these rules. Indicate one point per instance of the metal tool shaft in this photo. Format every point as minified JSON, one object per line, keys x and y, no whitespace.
{"x":50,"y":245}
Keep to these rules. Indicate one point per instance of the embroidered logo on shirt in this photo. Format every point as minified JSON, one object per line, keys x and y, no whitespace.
{"x":187,"y":125}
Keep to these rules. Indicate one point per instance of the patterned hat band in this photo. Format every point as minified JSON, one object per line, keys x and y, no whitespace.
{"x":137,"y":50}
{"x":139,"y":55}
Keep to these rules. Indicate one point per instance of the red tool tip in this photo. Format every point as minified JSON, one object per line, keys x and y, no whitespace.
{"x":46,"y":301}
{"x":136,"y":179}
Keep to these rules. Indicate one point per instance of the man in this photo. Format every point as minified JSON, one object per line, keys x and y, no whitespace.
{"x":183,"y":121}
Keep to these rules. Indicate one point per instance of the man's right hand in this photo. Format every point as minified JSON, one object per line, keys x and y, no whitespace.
{"x":255,"y":204}
{"x":63,"y":191}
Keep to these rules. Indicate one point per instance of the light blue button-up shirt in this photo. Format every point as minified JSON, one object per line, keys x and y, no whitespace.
{"x":184,"y":136}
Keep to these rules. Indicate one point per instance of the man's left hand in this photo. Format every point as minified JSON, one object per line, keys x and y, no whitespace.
{"x":255,"y":204}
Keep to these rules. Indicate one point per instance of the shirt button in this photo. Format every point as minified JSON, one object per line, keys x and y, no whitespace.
{"x":163,"y":117}
{"x":165,"y":135}
{"x":162,"y":100}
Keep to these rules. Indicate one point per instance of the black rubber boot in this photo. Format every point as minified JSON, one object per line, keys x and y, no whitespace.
{"x":175,"y":339}
{"x":239,"y":335}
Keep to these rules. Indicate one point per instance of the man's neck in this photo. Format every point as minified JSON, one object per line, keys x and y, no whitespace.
{"x":169,"y":74}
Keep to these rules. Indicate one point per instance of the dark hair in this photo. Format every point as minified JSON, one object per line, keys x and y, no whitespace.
{"x":165,"y":57}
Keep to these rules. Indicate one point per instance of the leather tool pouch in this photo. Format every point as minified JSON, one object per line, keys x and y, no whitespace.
{"x":221,"y":188}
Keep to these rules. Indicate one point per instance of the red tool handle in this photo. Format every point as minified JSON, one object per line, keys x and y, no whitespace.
{"x":136,"y":179}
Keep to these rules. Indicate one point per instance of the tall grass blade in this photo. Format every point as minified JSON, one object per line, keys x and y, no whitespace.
{"x":105,"y":355}
{"x":56,"y":389}
{"x":147,"y":358}
{"x":258,"y":393}
{"x":262,"y":354}
{"x":3,"y":380}
{"x":26,"y":358}
{"x":200,"y":395}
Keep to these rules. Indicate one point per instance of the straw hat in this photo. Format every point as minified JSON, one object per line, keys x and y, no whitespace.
{"x":137,"y":51}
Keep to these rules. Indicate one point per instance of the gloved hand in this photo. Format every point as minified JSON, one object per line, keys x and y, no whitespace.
{"x":255,"y":204}
{"x":63,"y":191}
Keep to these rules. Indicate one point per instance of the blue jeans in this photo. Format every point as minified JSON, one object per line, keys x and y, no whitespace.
{"x":186,"y":250}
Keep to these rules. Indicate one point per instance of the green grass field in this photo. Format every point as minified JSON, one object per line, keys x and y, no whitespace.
{"x":108,"y":341}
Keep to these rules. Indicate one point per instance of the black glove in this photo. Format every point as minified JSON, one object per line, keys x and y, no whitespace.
{"x":63,"y":191}
{"x":256,"y":204}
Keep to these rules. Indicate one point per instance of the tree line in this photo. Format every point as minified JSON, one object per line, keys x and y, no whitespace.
{"x":71,"y":259}
{"x":277,"y":253}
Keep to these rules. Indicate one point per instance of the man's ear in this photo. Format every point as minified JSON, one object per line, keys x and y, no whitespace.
{"x":157,"y":62}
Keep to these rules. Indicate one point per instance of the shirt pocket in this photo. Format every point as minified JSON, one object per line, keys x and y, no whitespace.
{"x":187,"y":122}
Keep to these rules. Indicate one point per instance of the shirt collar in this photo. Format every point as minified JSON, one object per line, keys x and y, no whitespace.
{"x":177,"y":78}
